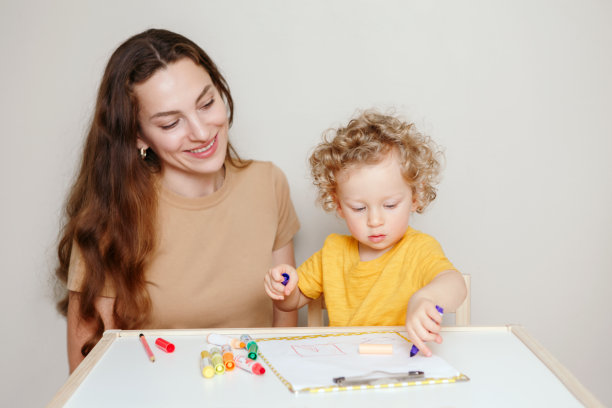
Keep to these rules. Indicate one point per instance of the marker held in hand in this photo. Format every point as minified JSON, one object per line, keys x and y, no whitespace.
{"x":414,"y":350}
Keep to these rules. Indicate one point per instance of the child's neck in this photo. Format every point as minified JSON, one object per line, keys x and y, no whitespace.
{"x":368,"y":254}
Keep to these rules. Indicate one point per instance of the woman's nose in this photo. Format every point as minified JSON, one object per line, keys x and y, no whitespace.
{"x":199,"y":130}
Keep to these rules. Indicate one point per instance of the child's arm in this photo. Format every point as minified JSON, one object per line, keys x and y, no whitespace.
{"x":446,"y":290}
{"x":286,"y":297}
{"x":280,"y":318}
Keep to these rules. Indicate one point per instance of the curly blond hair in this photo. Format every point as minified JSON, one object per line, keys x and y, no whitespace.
{"x":367,"y":139}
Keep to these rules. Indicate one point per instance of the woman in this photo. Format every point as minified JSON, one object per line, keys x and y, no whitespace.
{"x":166,"y":226}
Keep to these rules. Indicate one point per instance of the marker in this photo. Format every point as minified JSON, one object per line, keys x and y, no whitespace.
{"x":164,"y":345}
{"x":147,"y":348}
{"x":249,"y":365}
{"x":286,"y":280}
{"x":208,"y":371}
{"x":220,"y":340}
{"x":217,"y":360}
{"x":414,"y":350}
{"x":228,"y":357}
{"x":251,"y":346}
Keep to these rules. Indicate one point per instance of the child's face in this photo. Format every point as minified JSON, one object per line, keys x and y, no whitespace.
{"x":376,"y":203}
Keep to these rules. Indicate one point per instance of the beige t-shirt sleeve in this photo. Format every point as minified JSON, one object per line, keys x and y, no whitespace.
{"x":288,"y":223}
{"x":77,"y":271}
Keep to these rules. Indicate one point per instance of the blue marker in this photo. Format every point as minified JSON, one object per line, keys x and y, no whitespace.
{"x":414,"y":350}
{"x":286,"y":280}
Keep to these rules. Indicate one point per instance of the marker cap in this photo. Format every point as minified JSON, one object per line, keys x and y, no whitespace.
{"x":258,"y":369}
{"x":164,"y":345}
{"x":208,"y":370}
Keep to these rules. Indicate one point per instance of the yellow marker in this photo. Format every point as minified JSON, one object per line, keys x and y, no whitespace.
{"x":228,"y":357}
{"x":206,"y":365}
{"x":217,"y":360}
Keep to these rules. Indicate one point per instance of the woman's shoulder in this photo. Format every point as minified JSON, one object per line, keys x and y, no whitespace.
{"x":262,"y":174}
{"x":257,"y":168}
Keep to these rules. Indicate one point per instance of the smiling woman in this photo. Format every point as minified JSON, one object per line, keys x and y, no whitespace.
{"x":184,"y":120}
{"x":157,"y":214}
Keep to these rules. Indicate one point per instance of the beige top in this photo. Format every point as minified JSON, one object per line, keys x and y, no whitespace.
{"x":214,"y":251}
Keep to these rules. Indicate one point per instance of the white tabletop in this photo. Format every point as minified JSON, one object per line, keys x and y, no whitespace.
{"x":503,"y":372}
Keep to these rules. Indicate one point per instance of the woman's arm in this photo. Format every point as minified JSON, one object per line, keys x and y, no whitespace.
{"x":79,"y":330}
{"x":284,"y":255}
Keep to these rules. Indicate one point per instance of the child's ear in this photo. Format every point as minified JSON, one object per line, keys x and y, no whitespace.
{"x":415,"y":202}
{"x":339,"y":209}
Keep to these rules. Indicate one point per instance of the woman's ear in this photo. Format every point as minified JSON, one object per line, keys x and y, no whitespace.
{"x":141,"y":144}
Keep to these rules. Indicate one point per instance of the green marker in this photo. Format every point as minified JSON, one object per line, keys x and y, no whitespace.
{"x":251,"y":346}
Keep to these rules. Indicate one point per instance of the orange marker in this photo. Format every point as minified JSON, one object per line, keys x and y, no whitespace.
{"x":228,"y":357}
{"x":221,"y":339}
{"x":147,"y":348}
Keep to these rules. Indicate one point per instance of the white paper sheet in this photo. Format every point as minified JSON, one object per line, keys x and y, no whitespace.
{"x":307,"y":362}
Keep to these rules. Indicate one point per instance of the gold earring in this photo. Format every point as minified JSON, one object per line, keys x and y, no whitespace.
{"x":143,"y":153}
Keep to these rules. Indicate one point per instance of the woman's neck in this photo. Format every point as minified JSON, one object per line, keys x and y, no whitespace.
{"x":194,"y":187}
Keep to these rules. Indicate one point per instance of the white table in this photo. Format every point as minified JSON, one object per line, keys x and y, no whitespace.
{"x":506,"y":367}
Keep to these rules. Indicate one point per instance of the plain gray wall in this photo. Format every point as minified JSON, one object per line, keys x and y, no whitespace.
{"x":518,"y":93}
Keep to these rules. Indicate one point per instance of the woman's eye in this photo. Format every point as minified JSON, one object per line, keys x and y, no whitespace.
{"x":208,"y":104}
{"x":170,"y":126}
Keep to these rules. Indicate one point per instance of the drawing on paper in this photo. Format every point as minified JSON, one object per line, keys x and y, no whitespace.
{"x":317,"y":350}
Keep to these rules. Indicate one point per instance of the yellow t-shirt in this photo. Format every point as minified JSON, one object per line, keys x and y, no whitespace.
{"x":213,"y":252}
{"x":376,"y":292}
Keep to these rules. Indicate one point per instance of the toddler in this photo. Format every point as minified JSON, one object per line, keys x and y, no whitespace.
{"x":375,"y":173}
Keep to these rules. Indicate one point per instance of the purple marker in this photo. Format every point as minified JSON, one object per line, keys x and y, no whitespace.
{"x":286,"y":276}
{"x":414,"y":350}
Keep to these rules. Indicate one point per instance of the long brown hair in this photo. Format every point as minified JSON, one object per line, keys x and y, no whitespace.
{"x":111,"y":209}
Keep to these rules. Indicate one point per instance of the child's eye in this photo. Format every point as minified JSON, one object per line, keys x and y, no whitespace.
{"x":390,"y":206}
{"x":358,"y":209}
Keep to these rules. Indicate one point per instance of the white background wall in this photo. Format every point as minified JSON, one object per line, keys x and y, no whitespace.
{"x":519,"y":94}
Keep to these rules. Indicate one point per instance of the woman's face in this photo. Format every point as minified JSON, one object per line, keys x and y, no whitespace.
{"x":183,"y":119}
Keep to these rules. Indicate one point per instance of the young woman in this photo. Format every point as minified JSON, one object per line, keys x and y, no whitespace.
{"x":166,"y":227}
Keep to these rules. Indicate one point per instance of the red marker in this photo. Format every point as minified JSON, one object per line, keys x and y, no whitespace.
{"x":147,"y":348}
{"x":164,"y":345}
{"x":249,"y":365}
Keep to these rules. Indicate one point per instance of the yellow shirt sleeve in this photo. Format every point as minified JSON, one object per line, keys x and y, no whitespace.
{"x":310,"y":276}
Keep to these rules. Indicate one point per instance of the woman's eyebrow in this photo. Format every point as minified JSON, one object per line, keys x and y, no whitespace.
{"x":204,"y":92}
{"x":174,"y":112}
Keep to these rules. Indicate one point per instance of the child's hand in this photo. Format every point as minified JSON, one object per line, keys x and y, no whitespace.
{"x":423,"y":323}
{"x":274,"y":278}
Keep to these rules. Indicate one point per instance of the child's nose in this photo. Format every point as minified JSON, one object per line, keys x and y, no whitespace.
{"x":375,"y":218}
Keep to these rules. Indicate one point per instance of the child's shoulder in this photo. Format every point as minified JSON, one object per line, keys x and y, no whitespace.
{"x":338,"y":240}
{"x":417,"y":239}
